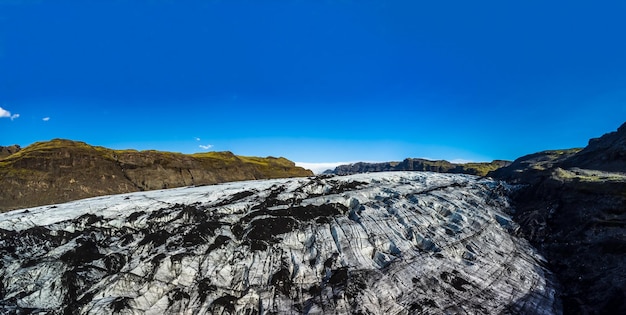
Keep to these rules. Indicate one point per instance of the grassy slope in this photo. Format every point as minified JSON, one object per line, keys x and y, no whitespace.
{"x":62,"y":170}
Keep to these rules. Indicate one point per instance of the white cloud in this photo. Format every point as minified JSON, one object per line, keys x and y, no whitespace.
{"x":318,"y":168}
{"x":7,"y":114}
{"x":206,"y":147}
{"x":461,"y":161}
{"x":4,"y":112}
{"x":197,"y":139}
{"x":46,"y":118}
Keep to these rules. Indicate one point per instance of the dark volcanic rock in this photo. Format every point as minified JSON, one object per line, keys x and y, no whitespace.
{"x":533,"y":168}
{"x":607,"y":153}
{"x":572,"y":205}
{"x":411,"y":164}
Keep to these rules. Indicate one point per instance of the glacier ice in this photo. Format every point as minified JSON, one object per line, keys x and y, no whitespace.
{"x":382,"y":243}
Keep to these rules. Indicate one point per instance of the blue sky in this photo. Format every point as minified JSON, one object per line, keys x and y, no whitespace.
{"x":314,"y":81}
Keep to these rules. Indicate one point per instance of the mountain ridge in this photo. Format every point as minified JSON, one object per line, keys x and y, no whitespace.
{"x":62,"y":170}
{"x":8,"y":150}
{"x":419,"y":164}
{"x":571,"y":205}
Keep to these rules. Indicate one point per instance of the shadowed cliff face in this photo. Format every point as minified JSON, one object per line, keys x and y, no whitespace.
{"x":63,"y":170}
{"x":572,"y":205}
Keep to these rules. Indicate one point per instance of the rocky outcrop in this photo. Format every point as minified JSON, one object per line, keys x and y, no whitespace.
{"x":571,"y":204}
{"x":533,"y":168}
{"x":62,"y":170}
{"x":6,"y":151}
{"x":410,"y":164}
{"x":384,"y":243}
{"x":607,"y":153}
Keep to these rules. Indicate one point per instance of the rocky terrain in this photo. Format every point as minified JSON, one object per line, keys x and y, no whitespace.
{"x":571,"y":204}
{"x":64,"y":170}
{"x":379,"y":243}
{"x":6,"y":151}
{"x":411,"y":164}
{"x":545,"y":234}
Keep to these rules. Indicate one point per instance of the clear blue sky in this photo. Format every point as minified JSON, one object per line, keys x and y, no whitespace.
{"x":314,"y":81}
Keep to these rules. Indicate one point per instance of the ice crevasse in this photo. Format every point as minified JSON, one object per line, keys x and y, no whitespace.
{"x":381,"y":243}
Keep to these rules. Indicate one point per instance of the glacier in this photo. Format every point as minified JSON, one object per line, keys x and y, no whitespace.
{"x":379,"y":243}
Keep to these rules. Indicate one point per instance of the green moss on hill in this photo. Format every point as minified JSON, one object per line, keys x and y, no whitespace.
{"x":62,"y":170}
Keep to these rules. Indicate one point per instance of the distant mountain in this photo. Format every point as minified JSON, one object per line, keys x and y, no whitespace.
{"x":571,"y":204}
{"x":410,"y":164}
{"x":63,"y":170}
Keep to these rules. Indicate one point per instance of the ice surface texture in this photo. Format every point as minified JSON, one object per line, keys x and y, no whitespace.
{"x":383,"y":243}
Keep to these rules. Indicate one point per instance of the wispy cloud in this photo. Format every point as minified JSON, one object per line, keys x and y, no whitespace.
{"x":197,"y":139}
{"x":206,"y":147}
{"x":4,"y":112}
{"x":7,"y":114}
{"x":46,"y":118}
{"x":461,"y":161}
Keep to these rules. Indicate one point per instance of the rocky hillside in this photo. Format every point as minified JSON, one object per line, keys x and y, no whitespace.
{"x":63,"y":170}
{"x":571,"y":204}
{"x":6,"y":151}
{"x":384,"y":243}
{"x":607,"y":153}
{"x":410,"y":164}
